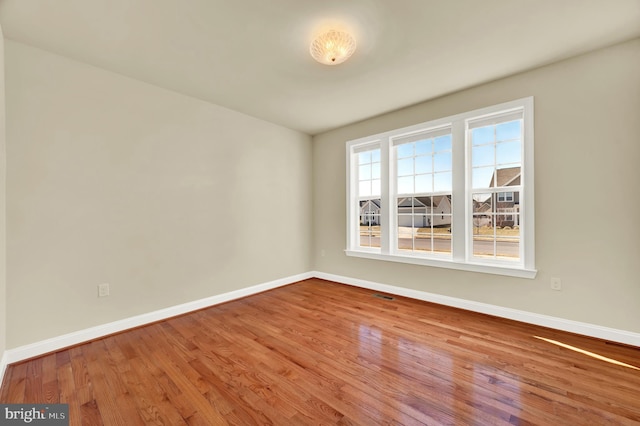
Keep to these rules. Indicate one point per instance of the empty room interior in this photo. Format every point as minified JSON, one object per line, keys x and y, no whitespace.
{"x":341,"y":212}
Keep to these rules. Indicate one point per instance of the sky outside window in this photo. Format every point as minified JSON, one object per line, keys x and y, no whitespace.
{"x":494,"y":147}
{"x":424,"y":166}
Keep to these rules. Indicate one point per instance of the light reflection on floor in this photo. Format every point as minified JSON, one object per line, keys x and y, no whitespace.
{"x":585,"y":352}
{"x":435,"y":367}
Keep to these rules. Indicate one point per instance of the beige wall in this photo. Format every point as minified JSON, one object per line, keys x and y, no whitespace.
{"x":167,"y":198}
{"x":3,"y":256}
{"x":587,"y":173}
{"x":113,"y":180}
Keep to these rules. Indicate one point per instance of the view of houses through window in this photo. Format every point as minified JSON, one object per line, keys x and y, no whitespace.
{"x":496,"y":166}
{"x":423,"y":188}
{"x":424,"y":199}
{"x":369,"y":197}
{"x":451,"y":190}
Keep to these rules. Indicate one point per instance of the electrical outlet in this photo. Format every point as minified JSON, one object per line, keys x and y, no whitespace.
{"x":556,"y":284}
{"x":322,"y":253}
{"x":103,"y":290}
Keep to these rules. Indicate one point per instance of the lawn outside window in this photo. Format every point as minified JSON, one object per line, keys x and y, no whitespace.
{"x":456,"y":192}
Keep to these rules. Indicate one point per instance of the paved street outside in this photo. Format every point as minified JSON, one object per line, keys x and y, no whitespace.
{"x":481,"y":247}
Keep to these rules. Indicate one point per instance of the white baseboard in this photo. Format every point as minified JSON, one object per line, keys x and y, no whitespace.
{"x":50,"y":345}
{"x":586,"y":329}
{"x":3,"y":366}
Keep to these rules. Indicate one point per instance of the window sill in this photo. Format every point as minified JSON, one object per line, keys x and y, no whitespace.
{"x":449,"y":264}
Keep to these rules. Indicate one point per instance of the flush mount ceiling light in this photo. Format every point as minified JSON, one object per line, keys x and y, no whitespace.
{"x":333,"y":47}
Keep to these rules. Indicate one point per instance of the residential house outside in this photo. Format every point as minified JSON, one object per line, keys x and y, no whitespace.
{"x":424,"y":212}
{"x":507,"y":203}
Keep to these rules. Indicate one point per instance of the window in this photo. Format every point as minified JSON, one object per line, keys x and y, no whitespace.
{"x":368,"y":178}
{"x":455,"y":192}
{"x":423,"y":183}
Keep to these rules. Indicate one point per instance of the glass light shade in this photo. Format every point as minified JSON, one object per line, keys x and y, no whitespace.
{"x":333,"y":47}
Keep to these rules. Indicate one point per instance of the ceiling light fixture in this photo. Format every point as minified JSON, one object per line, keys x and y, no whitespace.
{"x":333,"y":47}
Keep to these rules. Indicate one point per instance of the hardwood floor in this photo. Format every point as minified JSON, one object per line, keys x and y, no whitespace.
{"x":317,"y":352}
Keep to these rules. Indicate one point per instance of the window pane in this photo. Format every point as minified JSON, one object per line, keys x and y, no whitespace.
{"x":369,"y":238}
{"x":420,"y":221}
{"x":364,"y":238}
{"x":441,"y":240}
{"x":405,"y":224}
{"x":507,"y":176}
{"x":483,"y":228}
{"x":442,"y":162}
{"x":507,"y":205}
{"x":364,"y":157}
{"x":405,"y":167}
{"x":508,"y":248}
{"x":482,"y":176}
{"x":370,"y":212}
{"x":442,"y":143}
{"x":423,"y":147}
{"x":443,"y":220}
{"x":442,"y":182}
{"x":375,"y":156}
{"x":508,"y":227}
{"x":508,"y":131}
{"x":480,"y":221}
{"x":423,"y":184}
{"x":405,"y":185}
{"x":508,"y":152}
{"x":425,"y":231}
{"x":508,"y":241}
{"x":405,"y":220}
{"x":482,"y":135}
{"x":405,"y":205}
{"x":405,"y":150}
{"x":375,"y":171}
{"x":364,"y":189}
{"x":496,"y":223}
{"x":424,"y":238}
{"x":420,"y":205}
{"x":405,"y":235}
{"x":424,"y":241}
{"x":482,"y":155}
{"x":423,"y":204}
{"x":365,"y":172}
{"x":483,"y":246}
{"x":369,"y":217}
{"x":516,"y":219}
{"x":369,"y":220}
{"x":423,"y":164}
{"x":441,"y":216}
{"x":375,"y":239}
{"x":482,"y":203}
{"x":375,"y":205}
{"x":375,"y":187}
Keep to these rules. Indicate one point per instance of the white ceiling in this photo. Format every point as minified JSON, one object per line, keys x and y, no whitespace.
{"x":253,"y":55}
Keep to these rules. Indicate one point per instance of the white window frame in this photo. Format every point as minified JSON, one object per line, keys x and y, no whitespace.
{"x":461,"y":257}
{"x":353,"y":233}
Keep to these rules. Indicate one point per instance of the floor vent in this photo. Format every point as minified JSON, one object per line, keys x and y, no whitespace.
{"x":382,"y":296}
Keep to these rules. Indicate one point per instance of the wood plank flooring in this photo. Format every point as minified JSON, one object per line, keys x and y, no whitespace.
{"x":317,"y":352}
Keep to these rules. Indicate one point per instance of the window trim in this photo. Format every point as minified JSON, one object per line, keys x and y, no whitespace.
{"x":460,"y":258}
